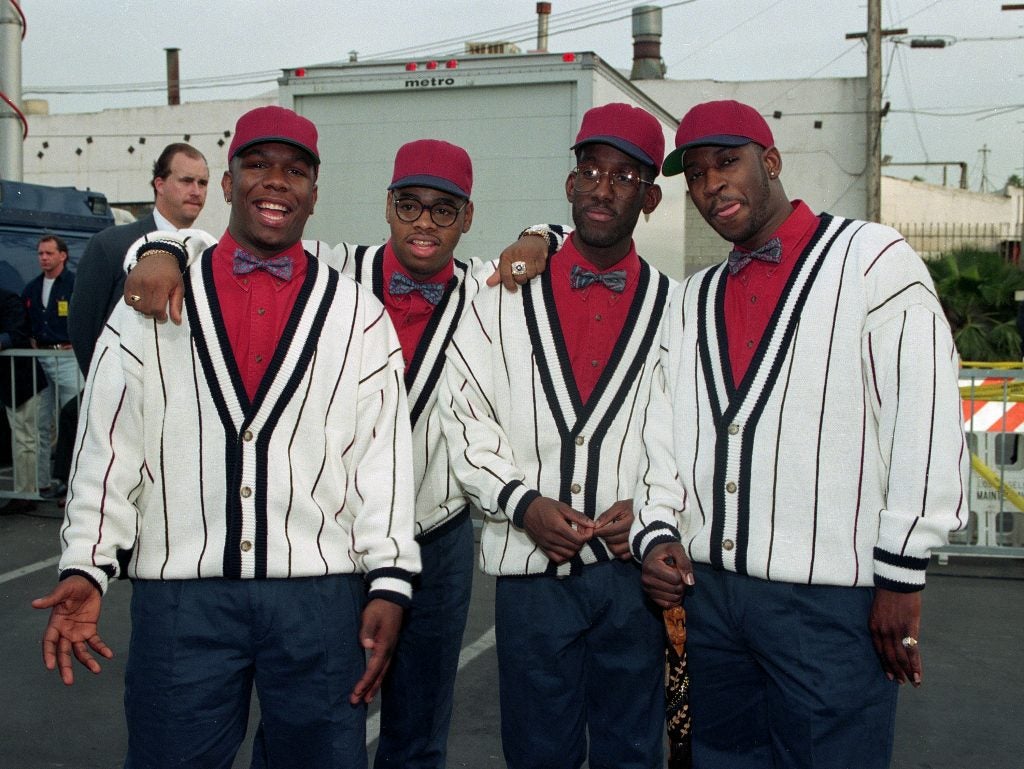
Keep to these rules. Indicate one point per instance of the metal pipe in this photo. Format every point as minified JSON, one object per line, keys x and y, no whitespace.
{"x":173,"y":80}
{"x":647,"y":62}
{"x":11,"y":127}
{"x":543,"y":14}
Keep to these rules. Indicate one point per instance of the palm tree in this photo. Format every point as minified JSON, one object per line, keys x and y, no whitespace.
{"x":976,"y":289}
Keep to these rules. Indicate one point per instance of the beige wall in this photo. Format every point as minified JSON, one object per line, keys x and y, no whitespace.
{"x":909,"y":201}
{"x":118,"y":161}
{"x":953,"y":214}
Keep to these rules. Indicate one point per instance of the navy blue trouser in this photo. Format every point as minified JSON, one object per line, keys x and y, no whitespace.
{"x":416,"y":698}
{"x":580,"y":657}
{"x":198,"y":646}
{"x":785,"y":676}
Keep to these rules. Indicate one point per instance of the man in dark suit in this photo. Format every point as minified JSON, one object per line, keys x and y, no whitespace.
{"x":47,"y":299}
{"x":180,"y":180}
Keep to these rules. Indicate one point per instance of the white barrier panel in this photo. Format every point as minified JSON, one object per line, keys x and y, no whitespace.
{"x":993,"y":414}
{"x":35,"y":386}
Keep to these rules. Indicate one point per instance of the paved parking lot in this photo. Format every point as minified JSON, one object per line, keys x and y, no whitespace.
{"x":969,"y":713}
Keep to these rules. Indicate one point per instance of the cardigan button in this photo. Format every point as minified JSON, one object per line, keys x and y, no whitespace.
{"x":247,"y":435}
{"x":727,"y":544}
{"x":579,"y":440}
{"x":734,"y":428}
{"x":246,"y":546}
{"x":730,"y":487}
{"x":575,"y":488}
{"x":246,"y":492}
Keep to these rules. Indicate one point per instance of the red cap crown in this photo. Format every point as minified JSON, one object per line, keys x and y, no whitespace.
{"x":433,"y":163}
{"x":629,"y":129}
{"x":274,"y":124}
{"x":717,"y":123}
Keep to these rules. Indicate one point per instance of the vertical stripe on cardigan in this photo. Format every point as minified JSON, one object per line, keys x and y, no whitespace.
{"x":219,"y":366}
{"x":548,"y":390}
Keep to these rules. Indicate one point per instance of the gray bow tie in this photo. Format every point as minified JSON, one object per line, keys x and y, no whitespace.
{"x":769,"y":252}
{"x":279,"y":266}
{"x":614,"y":280}
{"x":403,"y":284}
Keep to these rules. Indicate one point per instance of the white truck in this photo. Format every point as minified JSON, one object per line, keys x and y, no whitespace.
{"x":516,"y":115}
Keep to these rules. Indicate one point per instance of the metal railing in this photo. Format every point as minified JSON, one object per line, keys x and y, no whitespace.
{"x":992,"y":397}
{"x":930,"y":239}
{"x":33,"y":402}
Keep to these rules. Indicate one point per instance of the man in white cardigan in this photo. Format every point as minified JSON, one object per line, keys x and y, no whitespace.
{"x":250,"y":471}
{"x":808,"y":455}
{"x":546,"y":394}
{"x":426,"y":292}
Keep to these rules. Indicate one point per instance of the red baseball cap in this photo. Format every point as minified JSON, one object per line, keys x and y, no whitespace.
{"x":629,"y":129}
{"x":433,"y":163}
{"x":717,"y":123}
{"x":274,"y":124}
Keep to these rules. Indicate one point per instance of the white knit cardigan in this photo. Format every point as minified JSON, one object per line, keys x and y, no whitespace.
{"x":517,"y":428}
{"x":176,"y":475}
{"x":840,"y":458}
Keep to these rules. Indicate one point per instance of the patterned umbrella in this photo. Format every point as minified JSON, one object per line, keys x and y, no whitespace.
{"x":678,"y":719}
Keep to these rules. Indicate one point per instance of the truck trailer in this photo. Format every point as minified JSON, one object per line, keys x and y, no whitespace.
{"x":516,"y":115}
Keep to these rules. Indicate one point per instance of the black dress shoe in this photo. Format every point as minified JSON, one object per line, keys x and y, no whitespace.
{"x":54,"y":490}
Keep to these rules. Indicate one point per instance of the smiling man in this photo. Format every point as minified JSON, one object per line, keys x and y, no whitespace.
{"x":426,"y":292}
{"x":546,"y":392}
{"x":807,"y":456}
{"x":249,"y":470}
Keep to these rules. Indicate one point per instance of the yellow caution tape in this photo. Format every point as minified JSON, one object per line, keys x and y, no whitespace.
{"x":1012,"y":390}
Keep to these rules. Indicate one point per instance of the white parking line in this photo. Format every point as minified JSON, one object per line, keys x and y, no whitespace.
{"x":8,"y":576}
{"x":467,"y":655}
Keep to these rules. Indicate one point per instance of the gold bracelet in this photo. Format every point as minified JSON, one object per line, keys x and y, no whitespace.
{"x":532,"y":231}
{"x":152,"y":251}
{"x":543,"y":232}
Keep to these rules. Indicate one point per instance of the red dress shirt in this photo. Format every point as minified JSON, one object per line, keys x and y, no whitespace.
{"x":591,"y":318}
{"x":255,"y":308}
{"x":752,"y":294}
{"x":410,"y":313}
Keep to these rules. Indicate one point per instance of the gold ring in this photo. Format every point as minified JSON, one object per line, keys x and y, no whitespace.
{"x":518,"y":268}
{"x":133,"y":298}
{"x":909,"y":642}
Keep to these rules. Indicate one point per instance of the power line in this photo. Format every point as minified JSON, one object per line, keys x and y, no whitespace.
{"x":724,"y":34}
{"x":585,"y":13}
{"x":559,"y":26}
{"x":986,"y":112}
{"x":897,"y":54}
{"x":586,"y":17}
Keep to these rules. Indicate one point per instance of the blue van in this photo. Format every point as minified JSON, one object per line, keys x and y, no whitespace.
{"x":28,"y":211}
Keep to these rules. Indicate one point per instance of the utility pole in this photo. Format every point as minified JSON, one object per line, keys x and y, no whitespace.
{"x":11,"y":127}
{"x":873,"y":110}
{"x":873,"y":177}
{"x":984,"y":184}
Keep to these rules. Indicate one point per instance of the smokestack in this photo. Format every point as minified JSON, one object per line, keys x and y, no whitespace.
{"x":12,"y":130}
{"x":647,"y":63}
{"x":173,"y":80}
{"x":543,"y":12}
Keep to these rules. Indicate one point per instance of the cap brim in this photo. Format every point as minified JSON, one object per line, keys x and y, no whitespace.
{"x":673,"y":164}
{"x":434,"y":182}
{"x":620,"y":144}
{"x":282,"y":140}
